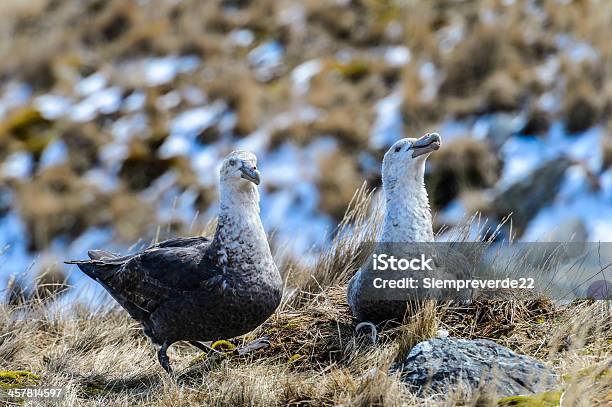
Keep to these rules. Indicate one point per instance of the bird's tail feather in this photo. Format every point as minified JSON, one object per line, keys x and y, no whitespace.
{"x":93,"y":268}
{"x":98,"y":270}
{"x":101,"y":254}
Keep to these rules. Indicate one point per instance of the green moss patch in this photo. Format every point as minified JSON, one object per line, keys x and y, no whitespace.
{"x":548,"y":399}
{"x":17,"y":378}
{"x":353,"y":71}
{"x":28,"y":126}
{"x":594,"y":373}
{"x":96,"y":389}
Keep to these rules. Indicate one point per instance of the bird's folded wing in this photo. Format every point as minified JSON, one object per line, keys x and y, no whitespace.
{"x":109,"y":258}
{"x":183,"y":242}
{"x":162,"y":273}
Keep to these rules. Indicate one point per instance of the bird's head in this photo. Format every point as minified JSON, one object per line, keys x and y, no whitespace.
{"x":239,"y":170}
{"x":405,"y":160}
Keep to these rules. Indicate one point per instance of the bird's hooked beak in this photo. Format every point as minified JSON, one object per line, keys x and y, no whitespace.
{"x":250,"y":174}
{"x":426,"y":144}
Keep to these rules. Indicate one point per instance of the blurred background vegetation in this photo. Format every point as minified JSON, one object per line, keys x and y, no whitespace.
{"x":115,"y":114}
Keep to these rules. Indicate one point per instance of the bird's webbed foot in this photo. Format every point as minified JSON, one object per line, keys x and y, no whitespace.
{"x":226,"y":347}
{"x":162,"y":356}
{"x":364,"y":326}
{"x":202,"y":346}
{"x":253,"y":346}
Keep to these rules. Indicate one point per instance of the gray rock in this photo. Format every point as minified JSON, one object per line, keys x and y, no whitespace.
{"x":442,"y":364}
{"x":500,"y":128}
{"x":562,"y":244}
{"x":569,"y":230}
{"x":525,"y":198}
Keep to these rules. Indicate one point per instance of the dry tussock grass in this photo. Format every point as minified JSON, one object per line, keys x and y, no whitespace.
{"x":315,"y":358}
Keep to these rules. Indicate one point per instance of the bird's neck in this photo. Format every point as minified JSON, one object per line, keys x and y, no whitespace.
{"x":407,"y":212}
{"x":239,"y":219}
{"x":236,"y":198}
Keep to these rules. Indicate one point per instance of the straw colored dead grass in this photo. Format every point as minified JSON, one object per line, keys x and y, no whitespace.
{"x":315,"y":358}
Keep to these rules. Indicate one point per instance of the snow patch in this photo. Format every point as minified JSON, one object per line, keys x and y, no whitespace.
{"x":185,"y":128}
{"x":158,"y":71}
{"x":104,"y":101}
{"x":387,"y":127}
{"x":266,"y":59}
{"x":52,"y":107}
{"x":397,"y":56}
{"x":242,"y":38}
{"x":18,"y":165}
{"x":135,"y":101}
{"x":55,"y":153}
{"x":93,"y":83}
{"x":15,"y":95}
{"x":303,"y":73}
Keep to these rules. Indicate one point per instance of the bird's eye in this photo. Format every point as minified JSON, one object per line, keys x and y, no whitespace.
{"x":232,"y":162}
{"x":398,"y":149}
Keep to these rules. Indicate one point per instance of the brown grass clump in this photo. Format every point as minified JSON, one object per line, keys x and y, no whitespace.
{"x":299,"y":133}
{"x":26,"y":128}
{"x":537,"y":123}
{"x":417,"y":113}
{"x":502,"y":92}
{"x":328,"y":90}
{"x":421,"y":324}
{"x":347,"y":125}
{"x":131,"y":216}
{"x":112,"y":23}
{"x":242,"y":93}
{"x":473,"y":61}
{"x":607,"y":151}
{"x":51,"y":280}
{"x":83,"y":144}
{"x":348,"y":249}
{"x":594,"y":381}
{"x":315,"y":332}
{"x":15,"y":292}
{"x":363,"y":24}
{"x":142,"y":167}
{"x":581,"y":109}
{"x":520,"y":325}
{"x":57,"y":202}
{"x":338,"y":180}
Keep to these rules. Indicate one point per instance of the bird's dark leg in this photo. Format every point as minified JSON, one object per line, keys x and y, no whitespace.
{"x":257,"y":344}
{"x":162,"y":356}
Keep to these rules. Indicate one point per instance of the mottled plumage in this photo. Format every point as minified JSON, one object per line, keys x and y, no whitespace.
{"x":200,"y":289}
{"x":407,"y":220}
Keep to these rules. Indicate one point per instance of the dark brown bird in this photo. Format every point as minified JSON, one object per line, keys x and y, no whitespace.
{"x":199,"y":289}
